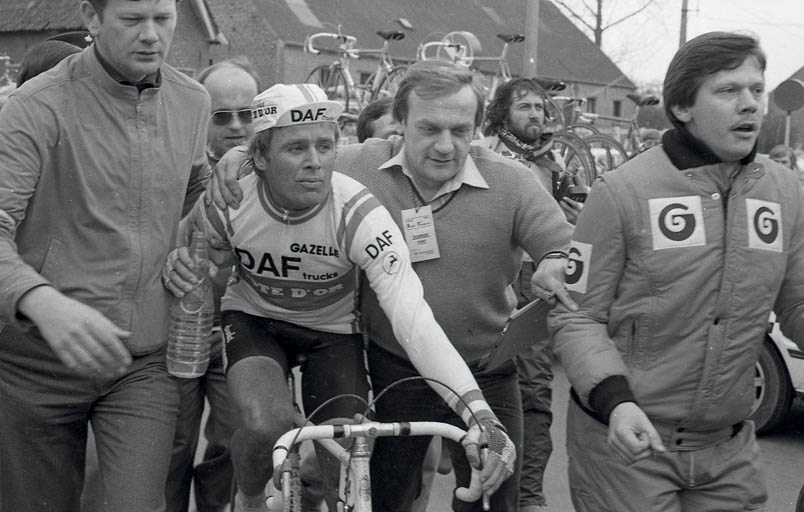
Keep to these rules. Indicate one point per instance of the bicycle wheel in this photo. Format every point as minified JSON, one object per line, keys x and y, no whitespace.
{"x":388,"y":85}
{"x":577,"y":156}
{"x":609,"y":154}
{"x":459,"y":47}
{"x":333,"y":82}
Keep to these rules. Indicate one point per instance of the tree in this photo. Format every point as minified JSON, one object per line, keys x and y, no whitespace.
{"x":592,"y":17}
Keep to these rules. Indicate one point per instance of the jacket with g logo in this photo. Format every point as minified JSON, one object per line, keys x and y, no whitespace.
{"x":675,"y":272}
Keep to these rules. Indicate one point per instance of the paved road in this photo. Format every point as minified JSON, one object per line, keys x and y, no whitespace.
{"x":783,"y":454}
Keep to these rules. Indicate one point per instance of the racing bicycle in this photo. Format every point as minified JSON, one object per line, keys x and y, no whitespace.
{"x":336,"y":79}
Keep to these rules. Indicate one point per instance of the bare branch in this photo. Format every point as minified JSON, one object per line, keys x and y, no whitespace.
{"x":592,"y":11}
{"x":574,"y":14}
{"x":632,"y":14}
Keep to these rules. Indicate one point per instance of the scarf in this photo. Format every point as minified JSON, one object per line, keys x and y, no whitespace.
{"x":530,"y":152}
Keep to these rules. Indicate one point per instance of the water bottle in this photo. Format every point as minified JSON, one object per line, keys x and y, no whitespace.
{"x":191,"y":319}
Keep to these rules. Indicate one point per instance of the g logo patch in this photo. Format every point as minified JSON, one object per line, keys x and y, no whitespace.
{"x":764,"y":225}
{"x":576,"y":274}
{"x":676,"y":222}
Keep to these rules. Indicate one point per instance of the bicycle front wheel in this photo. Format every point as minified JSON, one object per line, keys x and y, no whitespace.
{"x":389,"y":84}
{"x":577,"y":156}
{"x":333,"y":82}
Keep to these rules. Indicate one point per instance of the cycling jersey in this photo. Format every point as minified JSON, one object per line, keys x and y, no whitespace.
{"x":304,"y":269}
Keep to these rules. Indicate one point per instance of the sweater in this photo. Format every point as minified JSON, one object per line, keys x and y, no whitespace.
{"x":481,"y":234}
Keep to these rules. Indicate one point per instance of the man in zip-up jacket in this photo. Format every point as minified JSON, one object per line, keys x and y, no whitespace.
{"x":676,"y":262}
{"x":97,"y":157}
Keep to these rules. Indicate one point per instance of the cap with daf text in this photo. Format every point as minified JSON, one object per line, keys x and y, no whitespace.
{"x":291,"y":105}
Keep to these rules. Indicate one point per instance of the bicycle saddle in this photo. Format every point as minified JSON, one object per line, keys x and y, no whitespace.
{"x":643,"y":100}
{"x":393,"y":35}
{"x":512,"y":38}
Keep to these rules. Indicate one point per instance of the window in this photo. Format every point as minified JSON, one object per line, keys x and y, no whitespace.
{"x":591,"y":105}
{"x":617,"y":108}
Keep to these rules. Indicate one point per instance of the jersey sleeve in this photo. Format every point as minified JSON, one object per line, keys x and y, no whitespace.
{"x":376,"y":245}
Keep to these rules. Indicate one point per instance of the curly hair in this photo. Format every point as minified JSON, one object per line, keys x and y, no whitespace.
{"x":503,"y":98}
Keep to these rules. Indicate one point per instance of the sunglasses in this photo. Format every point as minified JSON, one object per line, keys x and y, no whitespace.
{"x":224,"y":117}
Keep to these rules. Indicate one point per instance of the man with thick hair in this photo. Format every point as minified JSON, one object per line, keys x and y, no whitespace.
{"x":231,"y":85}
{"x":98,"y":156}
{"x":676,"y":262}
{"x":475,"y":212}
{"x":515,"y":128}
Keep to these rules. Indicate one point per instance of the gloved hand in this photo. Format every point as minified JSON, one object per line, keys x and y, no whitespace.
{"x":490,"y":450}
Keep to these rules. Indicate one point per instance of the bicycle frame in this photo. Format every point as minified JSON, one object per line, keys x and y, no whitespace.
{"x":346,"y":52}
{"x":355,"y":488}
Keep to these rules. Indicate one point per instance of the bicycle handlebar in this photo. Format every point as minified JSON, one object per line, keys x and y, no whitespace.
{"x":436,"y":44}
{"x":371,"y":429}
{"x":347,"y":42}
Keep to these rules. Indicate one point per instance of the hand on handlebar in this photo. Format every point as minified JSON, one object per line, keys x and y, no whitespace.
{"x":490,"y":450}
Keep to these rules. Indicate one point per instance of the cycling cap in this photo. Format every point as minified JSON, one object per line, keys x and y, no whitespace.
{"x":291,"y":105}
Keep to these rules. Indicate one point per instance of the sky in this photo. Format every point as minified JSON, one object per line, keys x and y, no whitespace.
{"x":643,"y":45}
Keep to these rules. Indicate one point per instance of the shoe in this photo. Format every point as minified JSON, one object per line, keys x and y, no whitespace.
{"x":240,"y":504}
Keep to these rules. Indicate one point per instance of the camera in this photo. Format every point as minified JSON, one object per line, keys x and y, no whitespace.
{"x":568,"y":186}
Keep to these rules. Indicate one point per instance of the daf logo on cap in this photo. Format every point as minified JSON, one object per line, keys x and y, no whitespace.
{"x":320,"y":114}
{"x":293,"y":104}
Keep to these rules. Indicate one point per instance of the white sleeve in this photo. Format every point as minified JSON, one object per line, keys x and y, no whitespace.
{"x":378,"y":247}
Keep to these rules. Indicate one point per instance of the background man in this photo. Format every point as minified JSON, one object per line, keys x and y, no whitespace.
{"x":231,"y":85}
{"x":515,"y":128}
{"x":91,"y":198}
{"x":676,"y":262}
{"x":377,"y":120}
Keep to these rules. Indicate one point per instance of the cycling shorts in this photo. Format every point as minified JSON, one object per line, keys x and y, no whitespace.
{"x":332,"y":364}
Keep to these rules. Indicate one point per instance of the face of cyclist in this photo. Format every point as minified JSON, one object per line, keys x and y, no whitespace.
{"x":298,"y":165}
{"x":438,"y":132}
{"x":385,"y":126}
{"x":231,"y":90}
{"x":726,"y":114}
{"x":526,"y":116}
{"x":133,"y":36}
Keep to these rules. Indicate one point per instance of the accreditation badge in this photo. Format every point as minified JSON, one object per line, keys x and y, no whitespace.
{"x":418,"y":227}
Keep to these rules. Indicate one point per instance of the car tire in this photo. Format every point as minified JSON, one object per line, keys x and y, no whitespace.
{"x":774,"y":392}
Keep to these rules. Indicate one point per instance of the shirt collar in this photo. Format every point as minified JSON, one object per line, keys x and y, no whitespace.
{"x":151,"y":80}
{"x":468,"y":175}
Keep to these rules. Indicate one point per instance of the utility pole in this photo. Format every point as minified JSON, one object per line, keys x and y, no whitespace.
{"x":682,"y":37}
{"x":531,"y":52}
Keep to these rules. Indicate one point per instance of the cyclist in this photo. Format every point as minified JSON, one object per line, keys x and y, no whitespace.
{"x":301,"y":236}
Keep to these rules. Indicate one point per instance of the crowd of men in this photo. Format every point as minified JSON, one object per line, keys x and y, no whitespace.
{"x":428,"y":237}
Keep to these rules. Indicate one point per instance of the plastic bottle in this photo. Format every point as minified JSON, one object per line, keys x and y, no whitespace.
{"x":191,"y":319}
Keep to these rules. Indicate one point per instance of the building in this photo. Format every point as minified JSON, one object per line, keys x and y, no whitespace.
{"x":272,"y":34}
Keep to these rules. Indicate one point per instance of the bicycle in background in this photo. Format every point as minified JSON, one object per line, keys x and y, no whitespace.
{"x":336,"y":79}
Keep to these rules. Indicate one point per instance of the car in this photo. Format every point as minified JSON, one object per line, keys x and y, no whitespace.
{"x":779,"y":379}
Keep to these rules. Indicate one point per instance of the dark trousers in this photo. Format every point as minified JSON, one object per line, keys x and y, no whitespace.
{"x":396,"y":464}
{"x":45,"y":409}
{"x":535,"y":368}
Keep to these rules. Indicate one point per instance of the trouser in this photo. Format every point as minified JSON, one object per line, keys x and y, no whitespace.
{"x":535,"y":370}
{"x":726,"y":476}
{"x":212,"y":477}
{"x":396,"y":464}
{"x":45,"y":409}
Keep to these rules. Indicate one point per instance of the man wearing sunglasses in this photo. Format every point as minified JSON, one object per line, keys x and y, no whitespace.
{"x":231,"y":84}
